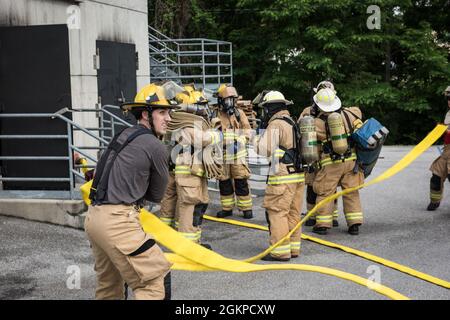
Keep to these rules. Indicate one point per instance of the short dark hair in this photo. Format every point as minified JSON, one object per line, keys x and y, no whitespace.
{"x":137,"y":114}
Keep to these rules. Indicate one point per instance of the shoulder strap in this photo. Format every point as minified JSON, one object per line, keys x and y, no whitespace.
{"x":100,"y":183}
{"x":347,"y":118}
{"x":237,"y":113}
{"x":349,"y":123}
{"x":324,"y":118}
{"x":294,"y":126}
{"x":345,"y":109}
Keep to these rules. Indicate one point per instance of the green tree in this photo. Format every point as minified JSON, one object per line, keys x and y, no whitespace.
{"x":396,"y":73}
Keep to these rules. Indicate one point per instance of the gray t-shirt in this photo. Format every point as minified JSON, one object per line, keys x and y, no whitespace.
{"x":141,"y":170}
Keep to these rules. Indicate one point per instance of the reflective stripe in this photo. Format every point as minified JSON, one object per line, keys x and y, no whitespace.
{"x":243,"y":204}
{"x":215,"y":137}
{"x":249,"y":201}
{"x":279,"y":153}
{"x":191,"y":236}
{"x":200,"y":173}
{"x":282,"y":249}
{"x":234,"y":156}
{"x":228,"y":201}
{"x":354,"y":216}
{"x":182,"y":169}
{"x":327,"y":161}
{"x":295,"y":245}
{"x":335,"y":214}
{"x":435,"y":196}
{"x":167,"y":221}
{"x":291,"y":178}
{"x":324,"y":219}
{"x":229,"y":134}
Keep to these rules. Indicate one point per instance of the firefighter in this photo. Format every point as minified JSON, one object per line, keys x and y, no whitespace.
{"x":167,"y":212}
{"x":337,"y":161}
{"x":187,"y":199}
{"x":440,"y":167}
{"x":285,"y":183}
{"x":310,"y":173}
{"x":236,"y":133}
{"x":134,"y":168}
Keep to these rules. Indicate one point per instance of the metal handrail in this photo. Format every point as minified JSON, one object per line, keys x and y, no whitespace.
{"x":187,"y":59}
{"x":71,"y":126}
{"x":258,"y":167}
{"x":158,"y":32}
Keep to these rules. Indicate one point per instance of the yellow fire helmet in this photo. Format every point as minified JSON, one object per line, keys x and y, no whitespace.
{"x":189,"y":87}
{"x":226,"y":91}
{"x":150,"y":96}
{"x":191,"y":97}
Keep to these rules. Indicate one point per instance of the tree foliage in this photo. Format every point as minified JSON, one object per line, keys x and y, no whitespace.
{"x":396,"y":73}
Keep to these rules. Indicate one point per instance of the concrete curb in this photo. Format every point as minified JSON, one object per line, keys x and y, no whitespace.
{"x":70,"y":213}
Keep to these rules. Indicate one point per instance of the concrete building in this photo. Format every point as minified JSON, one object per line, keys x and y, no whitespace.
{"x":61,"y":53}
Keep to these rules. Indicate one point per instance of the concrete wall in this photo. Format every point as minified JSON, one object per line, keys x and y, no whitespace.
{"x":111,"y":20}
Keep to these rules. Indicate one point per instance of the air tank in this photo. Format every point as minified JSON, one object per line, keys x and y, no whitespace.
{"x":338,"y":135}
{"x":195,"y":109}
{"x":308,"y":133}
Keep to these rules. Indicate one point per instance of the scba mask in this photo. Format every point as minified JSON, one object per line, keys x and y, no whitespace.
{"x":228,"y":105}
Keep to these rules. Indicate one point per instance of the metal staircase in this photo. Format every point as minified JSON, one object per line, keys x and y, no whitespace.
{"x":205,"y":62}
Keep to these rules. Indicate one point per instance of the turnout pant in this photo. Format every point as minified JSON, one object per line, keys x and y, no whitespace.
{"x":283,"y":203}
{"x":192,"y":192}
{"x":328,"y":178}
{"x":311,"y":196}
{"x":123,"y":252}
{"x":234,"y":182}
{"x":440,"y":169}
{"x":169,"y":203}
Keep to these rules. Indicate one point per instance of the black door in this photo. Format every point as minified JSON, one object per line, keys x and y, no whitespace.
{"x":34,"y":78}
{"x":116,"y":77}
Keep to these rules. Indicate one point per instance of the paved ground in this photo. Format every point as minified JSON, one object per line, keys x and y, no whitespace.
{"x":36,"y":259}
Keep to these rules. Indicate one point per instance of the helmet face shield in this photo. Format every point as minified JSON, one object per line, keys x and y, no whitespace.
{"x":171,"y":90}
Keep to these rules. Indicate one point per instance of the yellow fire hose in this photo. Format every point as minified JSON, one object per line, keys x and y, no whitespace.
{"x":193,"y":257}
{"x":359,"y":253}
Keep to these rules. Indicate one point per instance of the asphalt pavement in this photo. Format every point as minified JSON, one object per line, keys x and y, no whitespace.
{"x":43,"y":261}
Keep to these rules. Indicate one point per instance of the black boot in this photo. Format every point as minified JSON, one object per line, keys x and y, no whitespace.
{"x":354,"y":229}
{"x":207,"y":246}
{"x":320,"y":230}
{"x":335,"y":223}
{"x":248,"y":214}
{"x":224,"y":213}
{"x":310,"y":222}
{"x":433,"y":206}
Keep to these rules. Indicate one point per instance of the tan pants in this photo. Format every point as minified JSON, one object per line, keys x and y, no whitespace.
{"x":191,"y":191}
{"x":115,"y":234}
{"x":283,"y":203}
{"x":440,"y":168}
{"x":311,"y":196}
{"x":328,"y":178}
{"x":169,"y":202}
